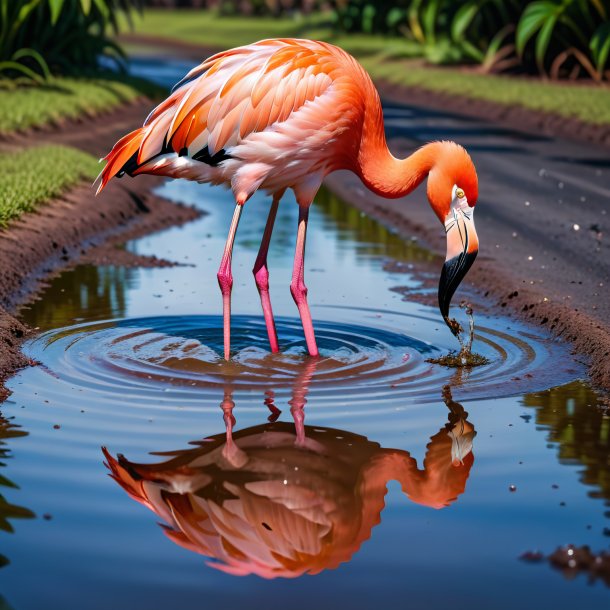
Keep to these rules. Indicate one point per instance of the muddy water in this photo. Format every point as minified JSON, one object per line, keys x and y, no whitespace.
{"x":368,"y":477}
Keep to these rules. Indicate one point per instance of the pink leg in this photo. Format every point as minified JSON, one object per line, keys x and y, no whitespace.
{"x":225,"y":281}
{"x":261,"y":275}
{"x":297,"y":285}
{"x":299,"y":399}
{"x":231,"y":452}
{"x":274,"y":412}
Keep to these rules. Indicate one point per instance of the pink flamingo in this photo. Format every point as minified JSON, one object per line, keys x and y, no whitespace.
{"x":282,"y":114}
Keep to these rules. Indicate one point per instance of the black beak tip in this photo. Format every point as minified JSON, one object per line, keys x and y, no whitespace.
{"x":454,"y":271}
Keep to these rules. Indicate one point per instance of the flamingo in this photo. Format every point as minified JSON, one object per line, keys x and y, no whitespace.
{"x":281,"y":500}
{"x":284,"y":113}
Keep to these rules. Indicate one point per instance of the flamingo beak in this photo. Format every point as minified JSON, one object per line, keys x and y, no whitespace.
{"x":462,"y":249}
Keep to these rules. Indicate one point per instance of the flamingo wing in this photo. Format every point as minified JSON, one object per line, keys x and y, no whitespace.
{"x":227,"y":98}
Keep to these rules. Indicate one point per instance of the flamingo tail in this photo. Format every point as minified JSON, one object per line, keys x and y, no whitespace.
{"x":119,"y":156}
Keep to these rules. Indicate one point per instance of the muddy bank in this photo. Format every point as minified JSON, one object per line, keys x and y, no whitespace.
{"x":78,"y":227}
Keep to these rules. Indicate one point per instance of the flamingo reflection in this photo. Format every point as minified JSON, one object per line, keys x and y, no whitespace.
{"x":285,"y":499}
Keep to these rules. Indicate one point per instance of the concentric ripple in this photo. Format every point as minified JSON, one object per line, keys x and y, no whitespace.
{"x":368,"y":356}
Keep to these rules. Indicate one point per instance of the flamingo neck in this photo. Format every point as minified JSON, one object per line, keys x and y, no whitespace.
{"x":383,"y":173}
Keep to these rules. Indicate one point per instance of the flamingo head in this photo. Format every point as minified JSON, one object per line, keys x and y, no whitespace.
{"x":453,"y":192}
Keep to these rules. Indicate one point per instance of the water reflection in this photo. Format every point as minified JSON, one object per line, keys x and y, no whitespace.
{"x":8,"y":511}
{"x":283,"y":500}
{"x":87,"y":290}
{"x":580,"y":428}
{"x":370,"y":237}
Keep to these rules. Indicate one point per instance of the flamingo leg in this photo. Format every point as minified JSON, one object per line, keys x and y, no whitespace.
{"x":297,"y":285}
{"x":261,"y":275}
{"x":225,"y":280}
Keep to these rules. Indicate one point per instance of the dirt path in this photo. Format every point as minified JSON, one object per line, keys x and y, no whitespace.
{"x":76,"y":227}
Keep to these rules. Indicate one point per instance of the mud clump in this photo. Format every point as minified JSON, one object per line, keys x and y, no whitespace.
{"x":572,"y":560}
{"x":461,"y":359}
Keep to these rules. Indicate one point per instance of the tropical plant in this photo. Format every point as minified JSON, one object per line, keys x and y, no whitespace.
{"x":477,"y":31}
{"x":566,"y":36}
{"x":567,"y":29}
{"x":38,"y":37}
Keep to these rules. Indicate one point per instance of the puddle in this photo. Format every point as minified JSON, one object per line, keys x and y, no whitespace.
{"x":366,"y":477}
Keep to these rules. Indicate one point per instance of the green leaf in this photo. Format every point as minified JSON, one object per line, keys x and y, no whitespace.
{"x":472,"y":51}
{"x":86,"y":6}
{"x":429,"y":20}
{"x":600,"y":8}
{"x":463,"y":19}
{"x":543,"y":40}
{"x":17,"y":67}
{"x":36,"y":56}
{"x":55,"y":6}
{"x":600,"y":46}
{"x":533,"y":18}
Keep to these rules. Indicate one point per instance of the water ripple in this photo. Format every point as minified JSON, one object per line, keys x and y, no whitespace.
{"x":359,"y":363}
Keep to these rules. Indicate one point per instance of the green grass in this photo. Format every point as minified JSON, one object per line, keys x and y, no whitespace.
{"x":589,"y":103}
{"x":35,"y":175}
{"x":25,"y":106}
{"x":208,"y":29}
{"x":384,"y":58}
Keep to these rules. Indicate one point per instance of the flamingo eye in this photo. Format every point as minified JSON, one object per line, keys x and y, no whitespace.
{"x":459,"y":193}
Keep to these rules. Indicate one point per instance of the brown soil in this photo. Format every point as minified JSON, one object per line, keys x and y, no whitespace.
{"x":77,"y":228}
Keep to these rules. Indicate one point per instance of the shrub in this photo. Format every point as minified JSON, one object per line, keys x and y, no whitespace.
{"x":38,"y":37}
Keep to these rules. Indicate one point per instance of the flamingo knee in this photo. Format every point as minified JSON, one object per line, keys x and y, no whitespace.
{"x":261,"y":277}
{"x":298,"y":290}
{"x":225,"y":280}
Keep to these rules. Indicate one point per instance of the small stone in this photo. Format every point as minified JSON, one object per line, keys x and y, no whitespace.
{"x":532,"y":556}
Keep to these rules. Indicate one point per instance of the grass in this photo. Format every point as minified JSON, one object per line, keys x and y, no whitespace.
{"x":25,"y":106}
{"x":589,"y":103}
{"x":33,"y":176}
{"x":384,"y":58}
{"x":209,"y":29}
